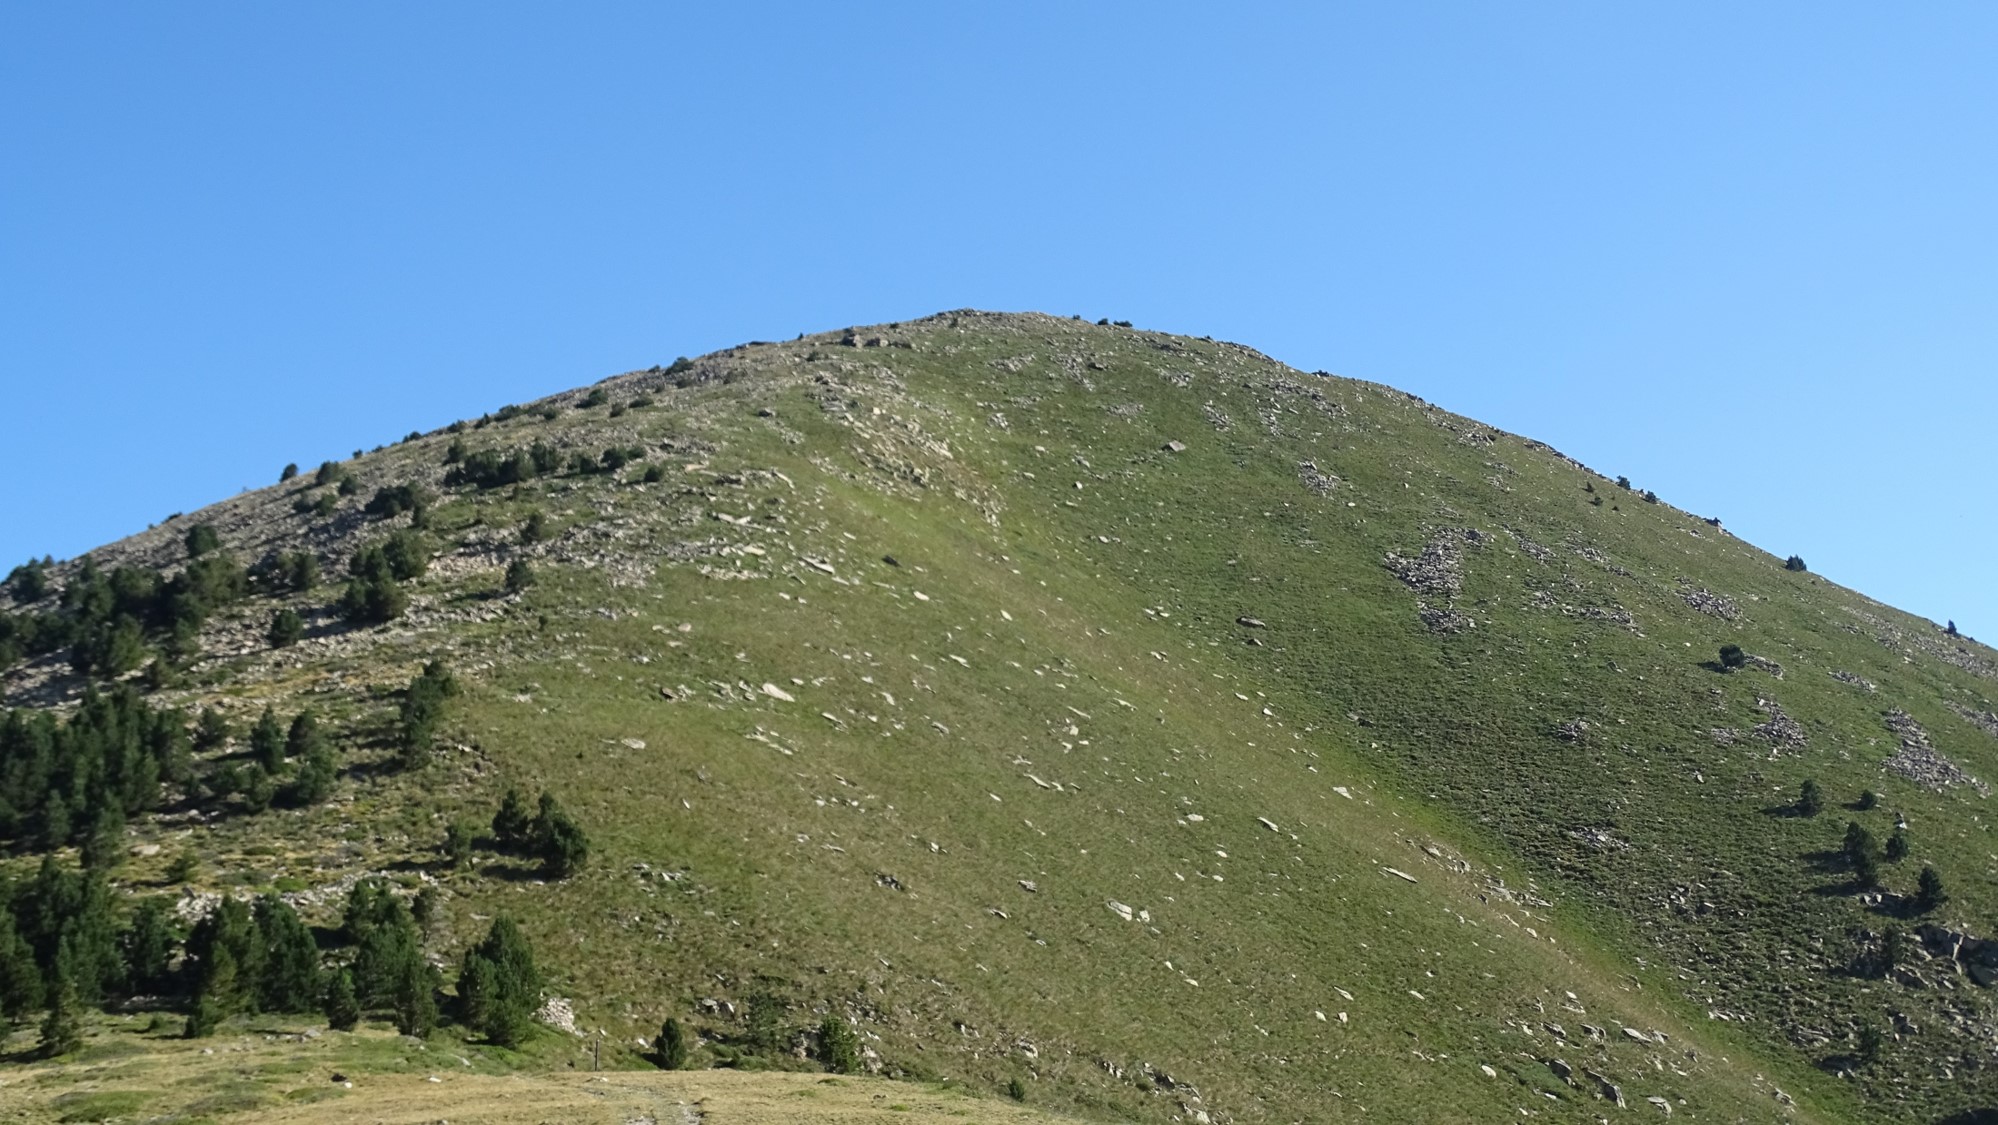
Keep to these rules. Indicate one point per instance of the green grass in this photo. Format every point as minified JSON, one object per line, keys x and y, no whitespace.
{"x":861,"y":846}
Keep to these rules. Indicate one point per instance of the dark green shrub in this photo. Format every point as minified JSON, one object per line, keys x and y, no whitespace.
{"x":1623,"y":483}
{"x":1868,"y":799}
{"x":680,"y":366}
{"x":421,"y":710}
{"x":1929,"y":893}
{"x":407,"y":554}
{"x":597,"y":397}
{"x":1796,"y":563}
{"x":455,"y":452}
{"x":1897,"y":846}
{"x":372,"y":601}
{"x":393,"y":500}
{"x":1016,"y":1089}
{"x":511,"y":822}
{"x":839,"y":1046}
{"x":458,"y":839}
{"x":29,"y":582}
{"x":327,"y":474}
{"x":267,"y":742}
{"x":1810,"y":799}
{"x":289,"y":472}
{"x":654,"y":474}
{"x":671,"y":1047}
{"x":201,"y":539}
{"x":285,"y":629}
{"x":348,"y":485}
{"x":519,"y":576}
{"x":1732,"y":658}
{"x":534,"y":529}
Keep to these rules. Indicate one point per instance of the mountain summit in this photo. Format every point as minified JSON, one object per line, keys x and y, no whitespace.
{"x":1119,"y":721}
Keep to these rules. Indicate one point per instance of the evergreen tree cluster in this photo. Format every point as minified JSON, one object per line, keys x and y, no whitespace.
{"x":57,"y":934}
{"x":421,"y":710}
{"x":77,"y":779}
{"x":373,"y":595}
{"x":489,"y":468}
{"x":498,"y":986}
{"x":395,"y":499}
{"x":107,"y":620}
{"x":293,"y":572}
{"x":550,"y":835}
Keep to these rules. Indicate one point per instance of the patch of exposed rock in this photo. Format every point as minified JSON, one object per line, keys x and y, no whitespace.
{"x":1780,"y":731}
{"x":1917,"y":759}
{"x":1710,"y":603}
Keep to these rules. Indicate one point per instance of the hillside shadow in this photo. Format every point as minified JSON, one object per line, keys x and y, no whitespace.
{"x":514,"y":872}
{"x":1981,"y":1116}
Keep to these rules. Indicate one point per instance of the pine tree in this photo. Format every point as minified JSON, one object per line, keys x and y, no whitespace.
{"x":21,"y":988}
{"x":1897,"y":845}
{"x":1930,"y":893}
{"x":148,"y":945}
{"x":342,"y":1009}
{"x":415,"y":997}
{"x":62,"y":1028}
{"x":510,"y":823}
{"x":519,"y":575}
{"x":498,"y":984}
{"x":227,"y":950}
{"x":267,"y":742}
{"x":458,"y":839}
{"x":285,"y":629}
{"x":316,"y":774}
{"x":290,"y":978}
{"x":200,"y":540}
{"x":671,"y":1046}
{"x":211,"y":730}
{"x":1810,"y":800}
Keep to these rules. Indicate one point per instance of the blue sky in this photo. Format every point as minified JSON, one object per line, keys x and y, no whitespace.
{"x":1746,"y":255}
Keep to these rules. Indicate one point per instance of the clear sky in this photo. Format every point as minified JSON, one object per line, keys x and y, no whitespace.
{"x":1745,"y":254}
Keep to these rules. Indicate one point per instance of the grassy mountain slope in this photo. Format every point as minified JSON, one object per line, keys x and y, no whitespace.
{"x":1338,"y":760}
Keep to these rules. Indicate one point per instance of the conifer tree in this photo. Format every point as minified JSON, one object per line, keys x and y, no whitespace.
{"x":227,"y":950}
{"x":267,"y":742}
{"x":1810,"y":800}
{"x":671,"y":1046}
{"x":510,"y":823}
{"x":341,"y":1007}
{"x":285,"y":629}
{"x":290,"y":978}
{"x":200,"y":540}
{"x":21,"y":988}
{"x":1930,"y":893}
{"x":499,"y":986}
{"x":62,"y":1028}
{"x":415,"y":997}
{"x":148,"y":943}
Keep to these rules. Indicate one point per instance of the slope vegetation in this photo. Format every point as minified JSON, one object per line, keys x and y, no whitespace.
{"x":1122,"y":718}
